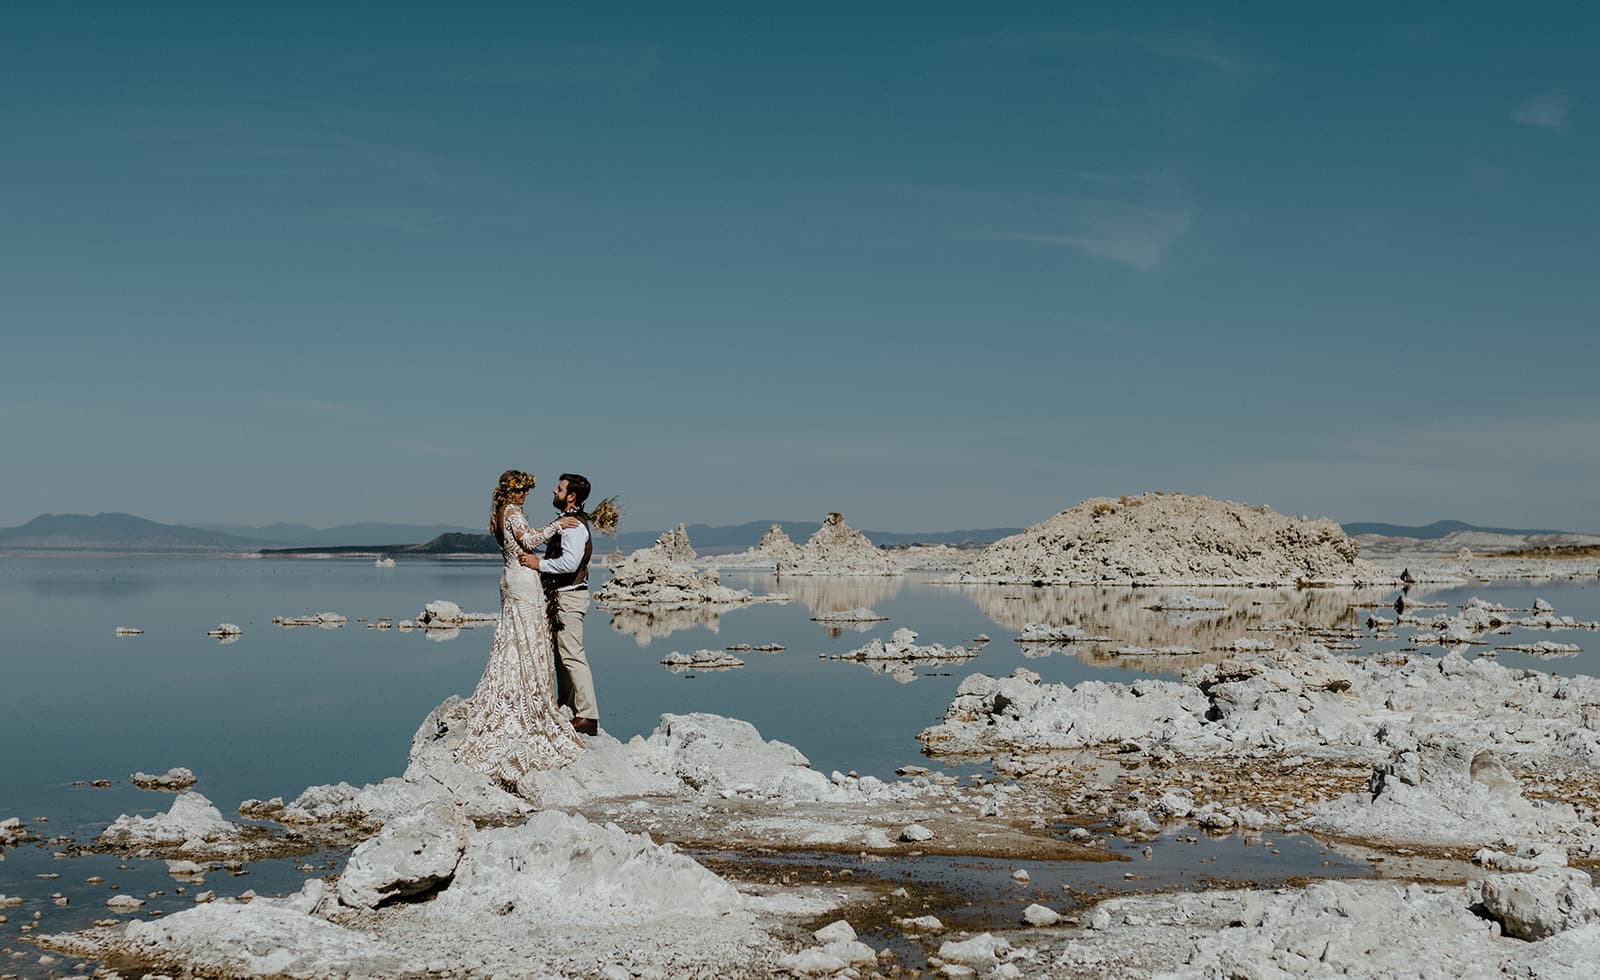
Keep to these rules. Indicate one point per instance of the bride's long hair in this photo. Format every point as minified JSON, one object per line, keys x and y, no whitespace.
{"x":511,"y":482}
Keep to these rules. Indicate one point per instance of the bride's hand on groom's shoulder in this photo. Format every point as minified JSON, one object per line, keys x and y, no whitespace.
{"x":568,"y":523}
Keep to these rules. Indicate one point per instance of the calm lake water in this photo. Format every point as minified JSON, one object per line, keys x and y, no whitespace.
{"x":281,"y":709}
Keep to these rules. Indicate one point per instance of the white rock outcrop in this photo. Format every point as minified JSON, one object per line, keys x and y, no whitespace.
{"x":1541,"y":903}
{"x":701,"y":660}
{"x":175,"y":778}
{"x":325,"y":620}
{"x":553,"y":896}
{"x":839,"y":549}
{"x":1378,"y":929}
{"x":775,"y":546}
{"x":1174,"y":539}
{"x":661,"y":577}
{"x":902,"y":647}
{"x":414,"y":853}
{"x":192,"y":824}
{"x":442,"y":614}
{"x":1441,"y":789}
{"x":1440,"y":735}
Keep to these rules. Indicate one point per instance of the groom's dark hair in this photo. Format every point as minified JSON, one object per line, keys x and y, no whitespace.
{"x":578,"y":486}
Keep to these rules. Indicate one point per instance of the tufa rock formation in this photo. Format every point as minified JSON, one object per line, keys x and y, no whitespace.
{"x":1175,"y":539}
{"x":838,"y":549}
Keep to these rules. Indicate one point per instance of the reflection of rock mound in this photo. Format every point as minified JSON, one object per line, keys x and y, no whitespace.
{"x":839,"y":549}
{"x":660,"y":577}
{"x":1121,"y":613}
{"x":1174,"y":539}
{"x":646,"y":624}
{"x":822,"y":594}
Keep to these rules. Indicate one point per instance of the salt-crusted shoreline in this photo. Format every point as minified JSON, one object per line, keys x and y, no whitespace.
{"x":1460,"y":759}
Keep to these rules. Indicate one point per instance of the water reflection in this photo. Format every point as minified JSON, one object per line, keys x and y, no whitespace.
{"x":839,"y":593}
{"x":92,"y":585}
{"x":1150,"y":639}
{"x":645,"y":625}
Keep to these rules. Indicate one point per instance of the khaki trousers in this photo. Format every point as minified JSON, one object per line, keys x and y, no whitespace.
{"x":574,"y":683}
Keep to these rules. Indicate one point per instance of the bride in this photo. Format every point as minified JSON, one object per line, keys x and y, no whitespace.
{"x":513,"y":722}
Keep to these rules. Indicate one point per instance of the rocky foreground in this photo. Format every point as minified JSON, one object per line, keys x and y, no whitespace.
{"x":1480,"y":778}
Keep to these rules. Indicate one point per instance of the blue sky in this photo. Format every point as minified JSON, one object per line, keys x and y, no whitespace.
{"x":932,"y":265}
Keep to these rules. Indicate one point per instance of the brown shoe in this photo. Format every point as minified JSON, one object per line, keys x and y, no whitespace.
{"x":586,"y":726}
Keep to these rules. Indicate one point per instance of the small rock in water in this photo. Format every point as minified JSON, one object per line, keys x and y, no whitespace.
{"x":124,"y":903}
{"x":922,"y":923}
{"x":173,"y":779}
{"x":1021,"y":874}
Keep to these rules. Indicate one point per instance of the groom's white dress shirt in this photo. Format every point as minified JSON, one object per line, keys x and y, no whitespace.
{"x":573,"y":541}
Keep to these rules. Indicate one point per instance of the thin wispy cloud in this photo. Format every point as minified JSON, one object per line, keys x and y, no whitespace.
{"x":1130,"y":234}
{"x":288,"y":147}
{"x":1105,"y":328}
{"x":308,"y":406}
{"x":832,"y":449}
{"x":58,"y":412}
{"x":572,"y":64}
{"x":1166,"y":46}
{"x":1135,"y":233}
{"x":1547,"y":111}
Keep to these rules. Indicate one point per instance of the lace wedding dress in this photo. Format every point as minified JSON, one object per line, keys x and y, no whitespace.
{"x":513,"y":722}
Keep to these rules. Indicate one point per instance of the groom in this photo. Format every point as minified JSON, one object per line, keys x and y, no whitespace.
{"x":565,"y":571}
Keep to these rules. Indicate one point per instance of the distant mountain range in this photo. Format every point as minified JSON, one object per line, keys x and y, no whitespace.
{"x":118,"y":532}
{"x":127,"y":533}
{"x":1436,"y":530}
{"x":366,"y":533}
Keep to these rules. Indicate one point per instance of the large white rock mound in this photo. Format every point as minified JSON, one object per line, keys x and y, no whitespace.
{"x":774,"y":547}
{"x":839,"y":549}
{"x":1175,"y":539}
{"x":661,"y":577}
{"x":674,"y":545}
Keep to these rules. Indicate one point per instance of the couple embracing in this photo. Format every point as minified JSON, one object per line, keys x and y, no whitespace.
{"x":514,"y":721}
